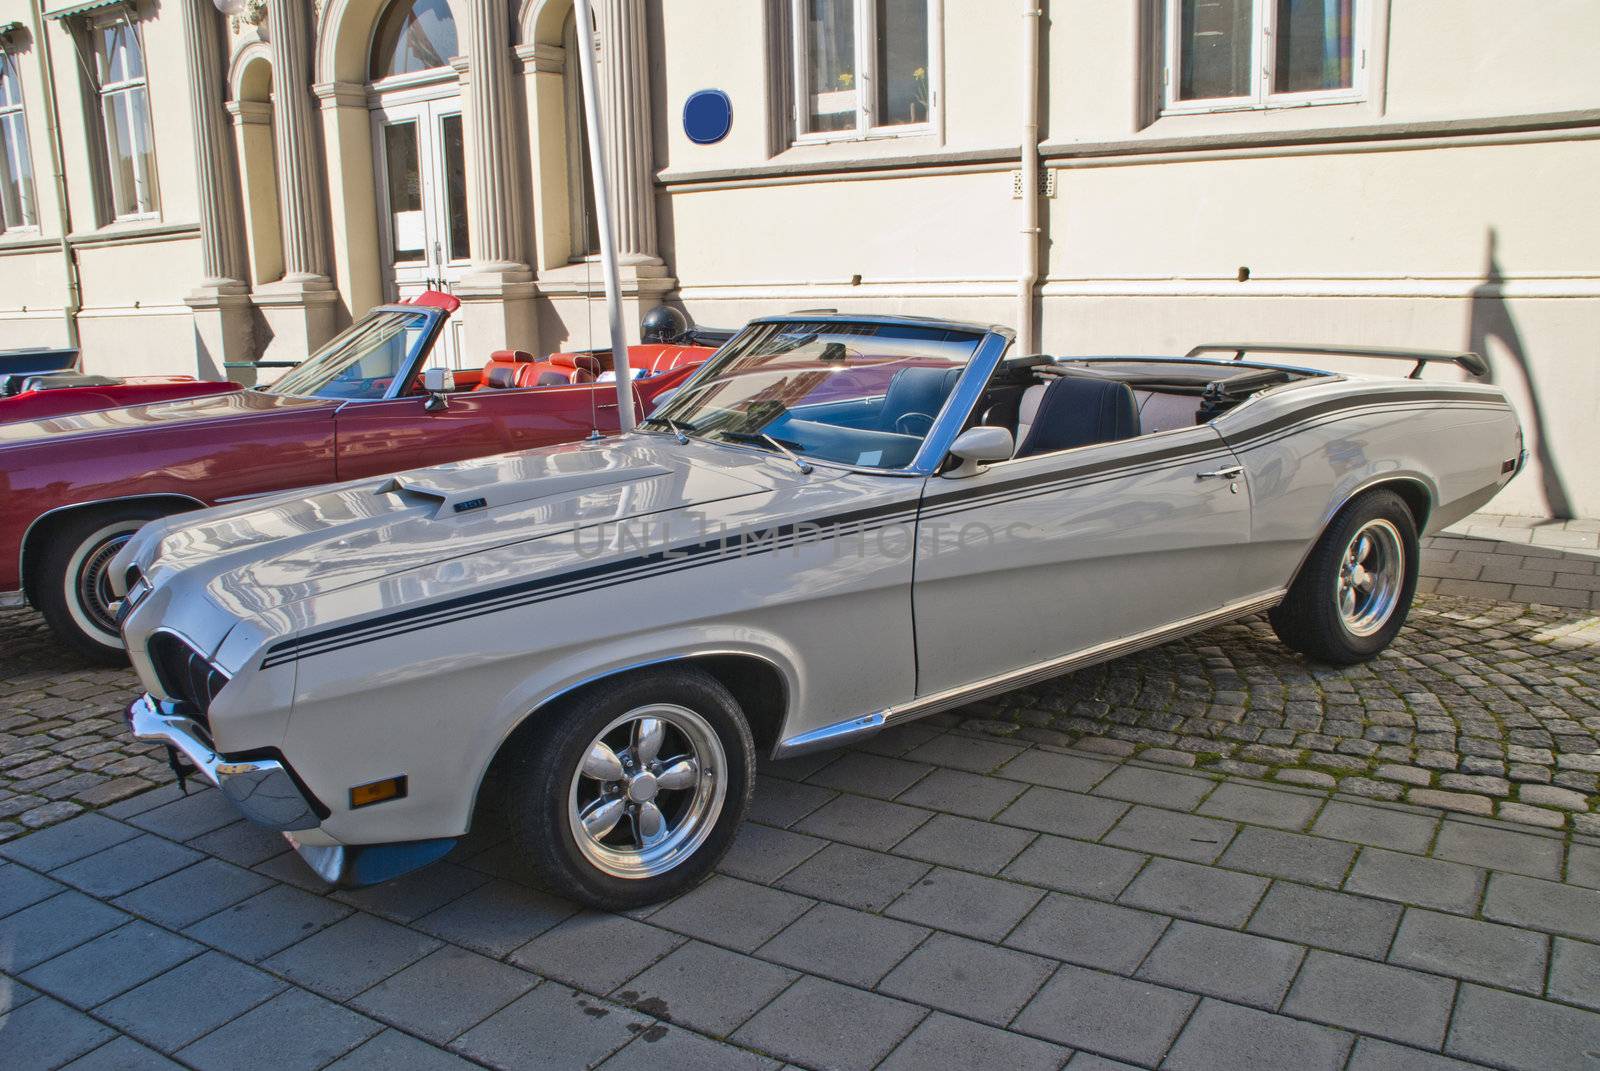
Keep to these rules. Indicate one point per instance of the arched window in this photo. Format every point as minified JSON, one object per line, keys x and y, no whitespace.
{"x":413,"y":35}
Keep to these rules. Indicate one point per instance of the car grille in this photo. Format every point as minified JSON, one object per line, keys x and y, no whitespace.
{"x":184,"y":673}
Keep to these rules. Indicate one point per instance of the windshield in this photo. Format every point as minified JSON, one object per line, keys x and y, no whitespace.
{"x":360,"y":362}
{"x":861,"y":394}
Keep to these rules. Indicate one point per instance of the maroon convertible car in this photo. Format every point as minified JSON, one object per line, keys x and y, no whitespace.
{"x":77,"y":486}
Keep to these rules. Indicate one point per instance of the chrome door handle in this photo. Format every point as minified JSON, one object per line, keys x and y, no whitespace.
{"x":1232,"y":472}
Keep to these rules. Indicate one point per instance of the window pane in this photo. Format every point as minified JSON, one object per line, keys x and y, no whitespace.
{"x":902,"y":62}
{"x":120,"y":148}
{"x":407,"y":232}
{"x":10,"y":91}
{"x":1315,"y":42}
{"x":1214,"y":39}
{"x":16,"y":173}
{"x":415,"y":35}
{"x":144,"y":155}
{"x":831,"y":72}
{"x":455,"y":187}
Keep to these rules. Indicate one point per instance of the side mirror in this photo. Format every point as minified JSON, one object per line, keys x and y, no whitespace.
{"x":977,"y":445}
{"x":438,"y":383}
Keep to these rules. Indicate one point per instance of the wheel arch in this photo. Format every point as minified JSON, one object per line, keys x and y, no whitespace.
{"x":1414,"y":490}
{"x":51,"y":520}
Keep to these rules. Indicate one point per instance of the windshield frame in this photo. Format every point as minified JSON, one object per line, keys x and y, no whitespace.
{"x":419,"y":352}
{"x":992,"y":343}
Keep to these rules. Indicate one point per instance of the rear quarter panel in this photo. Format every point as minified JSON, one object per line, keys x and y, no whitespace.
{"x":1309,"y":449}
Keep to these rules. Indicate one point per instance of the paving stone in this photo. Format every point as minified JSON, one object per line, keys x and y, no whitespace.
{"x":731,"y":912}
{"x":496,"y":918}
{"x":565,"y":1027}
{"x":864,"y":822}
{"x":414,"y":895}
{"x":243,"y":844}
{"x":351,"y":955}
{"x":969,"y":904}
{"x":190,"y":1000}
{"x":662,"y":1048}
{"x":1543,"y":905}
{"x":1180,"y":792}
{"x":122,"y":1053}
{"x":1551,"y":796}
{"x":1063,"y":813}
{"x":1279,"y":854}
{"x":1310,"y":778}
{"x":818,"y":1023}
{"x":1168,"y":757}
{"x":1243,"y":1039}
{"x":1372,"y":998}
{"x":292,"y":1031}
{"x":477,"y":987}
{"x":188,"y":816}
{"x":1500,"y":849}
{"x":391,"y":1050}
{"x":782,"y":803}
{"x":1235,"y":966}
{"x":1575,"y":973}
{"x":1464,"y":803}
{"x":959,"y":792}
{"x":1583,"y":866}
{"x":67,"y":842}
{"x":968,"y":978}
{"x":1054,"y":770}
{"x":194,"y":893}
{"x":112,"y":963}
{"x":766,"y":853}
{"x":1510,"y":1030}
{"x":125,"y":866}
{"x":1118,"y":1017}
{"x":1409,"y":879}
{"x":1088,"y":933}
{"x":45,"y":1034}
{"x":50,"y":927}
{"x":844,"y":944}
{"x":705,"y":987}
{"x":567,"y":951}
{"x":1323,"y":919}
{"x":945,"y":1041}
{"x":1373,"y":1055}
{"x":1475,"y":951}
{"x":870,"y":775}
{"x":965,"y":753}
{"x":1531,"y":816}
{"x":1075,"y":867}
{"x":267,"y":922}
{"x":1191,"y":891}
{"x":1261,"y":806}
{"x":965,"y":843}
{"x":853,"y":877}
{"x":20,"y":887}
{"x":1384,"y":827}
{"x":1182,"y":836}
{"x":1409,"y":775}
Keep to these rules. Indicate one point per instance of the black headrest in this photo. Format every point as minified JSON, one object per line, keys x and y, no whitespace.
{"x":551,"y":379}
{"x":501,"y":376}
{"x":1076,"y":411}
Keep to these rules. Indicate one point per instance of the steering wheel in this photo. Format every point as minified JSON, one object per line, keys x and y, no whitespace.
{"x":907,"y":423}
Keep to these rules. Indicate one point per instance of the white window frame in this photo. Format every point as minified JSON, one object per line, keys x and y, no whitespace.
{"x":866,"y":41}
{"x":124,"y":90}
{"x":1263,"y":61}
{"x":19,"y":109}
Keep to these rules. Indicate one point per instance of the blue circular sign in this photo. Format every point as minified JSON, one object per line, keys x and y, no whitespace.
{"x":707,"y":116}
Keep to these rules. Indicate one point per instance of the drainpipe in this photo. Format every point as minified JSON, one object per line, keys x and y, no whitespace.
{"x":1027,"y":320}
{"x":63,"y":209}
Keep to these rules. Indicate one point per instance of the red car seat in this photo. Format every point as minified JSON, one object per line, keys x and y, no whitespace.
{"x":506,"y":368}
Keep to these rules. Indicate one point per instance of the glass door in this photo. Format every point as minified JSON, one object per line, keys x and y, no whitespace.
{"x":421,"y":156}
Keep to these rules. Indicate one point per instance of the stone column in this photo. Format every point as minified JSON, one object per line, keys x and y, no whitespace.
{"x":300,"y":308}
{"x":221,"y":307}
{"x":625,"y":113}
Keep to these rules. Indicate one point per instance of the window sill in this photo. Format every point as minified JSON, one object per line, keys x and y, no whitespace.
{"x":1235,"y":107}
{"x":26,"y":240}
{"x":131,"y":232}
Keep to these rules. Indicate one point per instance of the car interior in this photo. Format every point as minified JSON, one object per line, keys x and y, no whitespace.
{"x":518,"y":369}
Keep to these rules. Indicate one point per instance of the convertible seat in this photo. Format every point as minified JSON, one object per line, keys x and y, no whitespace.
{"x":563,"y":368}
{"x":1073,"y":411}
{"x":1165,"y":412}
{"x":505,"y":369}
{"x":916,"y":390}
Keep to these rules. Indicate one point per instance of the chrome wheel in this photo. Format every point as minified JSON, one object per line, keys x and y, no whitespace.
{"x":648,"y":791}
{"x":1372,"y":573}
{"x":88,"y":582}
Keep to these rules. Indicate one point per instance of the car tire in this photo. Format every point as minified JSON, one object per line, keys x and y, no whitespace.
{"x":72,"y":582}
{"x":1354,"y":591}
{"x":586,"y":776}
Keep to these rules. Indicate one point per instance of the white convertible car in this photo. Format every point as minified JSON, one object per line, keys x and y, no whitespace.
{"x":838,"y":525}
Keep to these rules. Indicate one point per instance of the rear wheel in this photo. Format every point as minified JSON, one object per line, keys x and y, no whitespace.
{"x":1354,"y":591}
{"x":74,"y":580}
{"x":631,"y":792}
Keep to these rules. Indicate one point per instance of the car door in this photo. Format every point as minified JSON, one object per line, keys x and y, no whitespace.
{"x":1040,"y":557}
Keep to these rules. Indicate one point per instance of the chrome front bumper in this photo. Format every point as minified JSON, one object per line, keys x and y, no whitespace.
{"x":263,"y":790}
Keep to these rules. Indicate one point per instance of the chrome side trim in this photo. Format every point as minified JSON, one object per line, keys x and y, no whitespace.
{"x":261,"y":789}
{"x":865,"y":725}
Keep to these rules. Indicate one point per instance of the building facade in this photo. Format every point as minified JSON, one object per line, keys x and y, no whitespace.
{"x":188,"y":190}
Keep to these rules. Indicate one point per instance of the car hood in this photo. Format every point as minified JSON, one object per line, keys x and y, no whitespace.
{"x":231,"y":405}
{"x":258,"y":558}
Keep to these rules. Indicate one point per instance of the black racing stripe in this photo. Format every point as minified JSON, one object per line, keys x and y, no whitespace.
{"x":945,"y":507}
{"x":599,"y":571}
{"x":1249,"y":434}
{"x":1267,"y":440}
{"x":1060,"y":476}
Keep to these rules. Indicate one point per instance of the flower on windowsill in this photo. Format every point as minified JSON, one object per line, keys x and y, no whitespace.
{"x":846,"y":80}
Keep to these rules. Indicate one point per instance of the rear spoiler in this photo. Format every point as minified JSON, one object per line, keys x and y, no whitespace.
{"x":1471,"y":362}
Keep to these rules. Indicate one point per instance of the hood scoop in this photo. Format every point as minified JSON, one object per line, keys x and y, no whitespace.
{"x":472,"y":490}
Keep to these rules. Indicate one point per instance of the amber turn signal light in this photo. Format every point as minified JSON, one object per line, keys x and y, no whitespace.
{"x":390,"y":788}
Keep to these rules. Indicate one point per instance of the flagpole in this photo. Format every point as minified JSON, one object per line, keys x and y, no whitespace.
{"x":602,"y":208}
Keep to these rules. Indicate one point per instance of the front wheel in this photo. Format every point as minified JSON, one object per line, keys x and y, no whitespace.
{"x":630,"y":792}
{"x":1354,"y":591}
{"x":74,"y":579}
